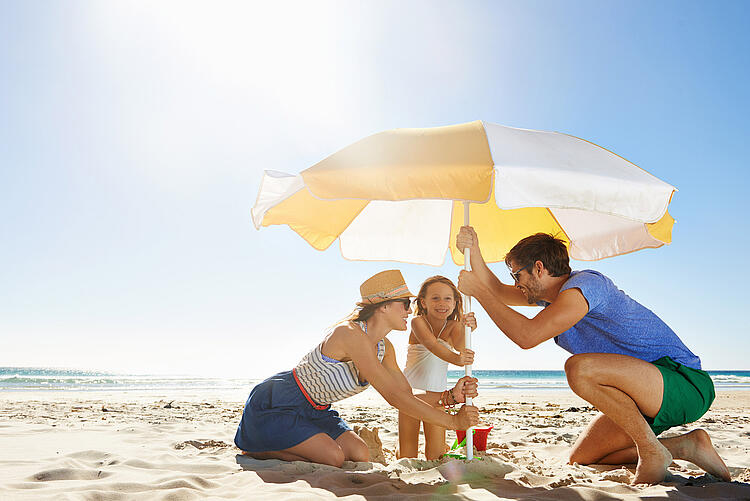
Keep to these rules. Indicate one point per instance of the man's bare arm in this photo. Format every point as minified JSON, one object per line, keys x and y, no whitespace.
{"x":569,"y":307}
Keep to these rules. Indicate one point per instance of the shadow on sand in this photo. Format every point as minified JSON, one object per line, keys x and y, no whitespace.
{"x":454,"y":479}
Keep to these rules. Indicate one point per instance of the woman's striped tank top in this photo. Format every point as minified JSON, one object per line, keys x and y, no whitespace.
{"x":324,"y":380}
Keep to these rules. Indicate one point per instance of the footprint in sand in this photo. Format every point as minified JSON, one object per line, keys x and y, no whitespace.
{"x":202,"y":444}
{"x":68,"y":474}
{"x":620,"y":475}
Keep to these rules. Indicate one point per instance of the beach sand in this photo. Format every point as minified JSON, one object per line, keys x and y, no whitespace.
{"x":154,"y":445}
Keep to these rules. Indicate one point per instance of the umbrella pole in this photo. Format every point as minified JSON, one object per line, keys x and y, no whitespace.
{"x":467,"y":336}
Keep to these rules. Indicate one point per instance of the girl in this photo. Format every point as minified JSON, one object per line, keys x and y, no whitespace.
{"x":436,"y":331}
{"x":288,"y":416}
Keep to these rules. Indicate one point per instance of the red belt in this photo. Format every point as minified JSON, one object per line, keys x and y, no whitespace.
{"x":307,"y":396}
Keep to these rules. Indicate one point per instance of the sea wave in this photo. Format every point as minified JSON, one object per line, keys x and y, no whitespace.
{"x":65,"y":379}
{"x":727,"y":378}
{"x":20,"y":379}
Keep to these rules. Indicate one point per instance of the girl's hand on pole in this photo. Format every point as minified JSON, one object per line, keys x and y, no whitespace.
{"x":466,"y":357}
{"x":465,"y":387}
{"x":470,"y":320}
{"x":466,"y":417}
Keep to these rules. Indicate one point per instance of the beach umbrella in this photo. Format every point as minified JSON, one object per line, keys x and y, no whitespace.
{"x":397,"y":195}
{"x":402,"y":195}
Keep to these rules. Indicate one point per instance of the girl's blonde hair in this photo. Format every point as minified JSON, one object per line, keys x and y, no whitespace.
{"x":457,"y":313}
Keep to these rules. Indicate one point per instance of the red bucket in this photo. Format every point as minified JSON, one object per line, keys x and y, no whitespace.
{"x":480,"y":437}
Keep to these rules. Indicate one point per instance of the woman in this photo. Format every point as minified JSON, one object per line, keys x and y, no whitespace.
{"x":288,"y":416}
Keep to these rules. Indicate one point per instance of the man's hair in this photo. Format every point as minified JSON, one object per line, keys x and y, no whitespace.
{"x":543,"y":247}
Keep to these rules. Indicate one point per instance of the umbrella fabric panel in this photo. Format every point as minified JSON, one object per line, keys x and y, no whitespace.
{"x":448,"y":163}
{"x":274,"y":187}
{"x":411,"y":231}
{"x":549,"y":169}
{"x":319,"y":222}
{"x":662,"y":229}
{"x":499,"y":230}
{"x":594,"y":236}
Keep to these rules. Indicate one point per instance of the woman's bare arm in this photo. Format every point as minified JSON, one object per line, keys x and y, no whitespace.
{"x":390,"y":382}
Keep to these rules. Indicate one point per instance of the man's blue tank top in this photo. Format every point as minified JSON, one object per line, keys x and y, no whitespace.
{"x":615,"y":323}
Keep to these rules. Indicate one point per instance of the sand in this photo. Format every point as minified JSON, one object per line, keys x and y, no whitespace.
{"x":151,"y":445}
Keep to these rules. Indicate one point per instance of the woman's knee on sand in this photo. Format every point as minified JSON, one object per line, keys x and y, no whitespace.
{"x":353,"y":447}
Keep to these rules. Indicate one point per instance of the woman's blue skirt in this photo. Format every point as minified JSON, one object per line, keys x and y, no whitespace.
{"x":277,"y":416}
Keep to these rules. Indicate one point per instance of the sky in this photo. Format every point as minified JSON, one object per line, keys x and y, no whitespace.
{"x":134,"y":136}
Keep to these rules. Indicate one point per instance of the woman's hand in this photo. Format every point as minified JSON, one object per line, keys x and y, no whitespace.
{"x":465,"y":387}
{"x":466,"y":417}
{"x":470,"y":320}
{"x":466,"y":357}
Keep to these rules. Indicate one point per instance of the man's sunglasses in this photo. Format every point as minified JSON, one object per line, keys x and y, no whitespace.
{"x":517,"y":274}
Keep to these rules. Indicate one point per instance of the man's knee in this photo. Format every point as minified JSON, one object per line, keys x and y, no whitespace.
{"x":576,"y":457}
{"x":580,"y":369}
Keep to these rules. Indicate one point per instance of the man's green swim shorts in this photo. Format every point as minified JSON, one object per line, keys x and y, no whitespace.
{"x":688,"y":393}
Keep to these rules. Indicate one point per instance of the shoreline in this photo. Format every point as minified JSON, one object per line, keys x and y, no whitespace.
{"x":240,"y":395}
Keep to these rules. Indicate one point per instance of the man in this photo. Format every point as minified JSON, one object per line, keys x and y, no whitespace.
{"x":626,"y":361}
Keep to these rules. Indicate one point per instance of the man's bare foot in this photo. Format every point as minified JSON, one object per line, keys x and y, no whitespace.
{"x":697,"y":448}
{"x":652,"y":465}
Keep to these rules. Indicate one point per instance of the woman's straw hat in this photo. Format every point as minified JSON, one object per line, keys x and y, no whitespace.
{"x":385,"y":286}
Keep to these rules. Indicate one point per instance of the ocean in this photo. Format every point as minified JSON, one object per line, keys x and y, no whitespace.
{"x":723,"y":380}
{"x":41,"y":378}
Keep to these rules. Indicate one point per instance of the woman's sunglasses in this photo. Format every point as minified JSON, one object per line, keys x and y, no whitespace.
{"x":405,"y":301}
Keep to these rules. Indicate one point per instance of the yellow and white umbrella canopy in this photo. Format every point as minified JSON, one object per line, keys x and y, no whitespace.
{"x":398,"y":195}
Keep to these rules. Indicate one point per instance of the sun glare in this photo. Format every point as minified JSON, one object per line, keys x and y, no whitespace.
{"x":279,"y":51}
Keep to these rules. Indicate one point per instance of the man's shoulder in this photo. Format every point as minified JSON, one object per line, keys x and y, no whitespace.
{"x":595,"y":287}
{"x":578,"y":277}
{"x":588,"y":273}
{"x":589,"y":282}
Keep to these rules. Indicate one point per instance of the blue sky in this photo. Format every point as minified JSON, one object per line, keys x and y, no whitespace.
{"x":133,"y":137}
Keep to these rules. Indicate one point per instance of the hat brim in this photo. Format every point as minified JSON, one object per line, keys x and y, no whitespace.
{"x":407,"y":295}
